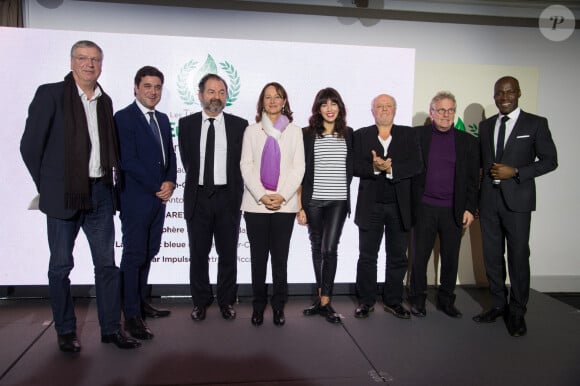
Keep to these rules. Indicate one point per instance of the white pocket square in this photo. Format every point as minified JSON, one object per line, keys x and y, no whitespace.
{"x":523,"y":136}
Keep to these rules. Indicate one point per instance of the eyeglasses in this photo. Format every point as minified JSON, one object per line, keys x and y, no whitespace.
{"x":85,"y":59}
{"x":443,"y":111}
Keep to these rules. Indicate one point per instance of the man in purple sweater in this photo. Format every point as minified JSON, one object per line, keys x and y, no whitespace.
{"x":445,"y":199}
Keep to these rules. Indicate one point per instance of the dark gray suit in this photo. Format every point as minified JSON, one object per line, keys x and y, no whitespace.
{"x":505,"y":209}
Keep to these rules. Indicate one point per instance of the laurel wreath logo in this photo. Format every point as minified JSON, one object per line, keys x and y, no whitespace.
{"x":189,"y":97}
{"x":234,"y":86}
{"x":186,"y":96}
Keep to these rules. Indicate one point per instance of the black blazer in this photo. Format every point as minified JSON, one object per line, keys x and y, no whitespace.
{"x":529,"y":148}
{"x":189,"y":140}
{"x":42,"y":148}
{"x":465,"y":188}
{"x":308,"y":180}
{"x":406,"y":155}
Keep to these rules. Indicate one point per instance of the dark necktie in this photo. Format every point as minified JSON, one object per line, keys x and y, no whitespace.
{"x":501,"y":139}
{"x":208,"y":182}
{"x":155,"y":130}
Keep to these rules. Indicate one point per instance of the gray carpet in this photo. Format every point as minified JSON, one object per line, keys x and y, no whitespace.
{"x":382,"y":349}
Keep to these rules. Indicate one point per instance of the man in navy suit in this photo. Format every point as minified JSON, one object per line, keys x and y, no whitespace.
{"x":210,"y":144}
{"x":70,"y":148}
{"x":386,"y":157}
{"x":445,"y":196}
{"x":516,"y":147}
{"x":148,"y":168}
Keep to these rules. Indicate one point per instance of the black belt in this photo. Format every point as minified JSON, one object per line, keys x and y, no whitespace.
{"x":94,"y":180}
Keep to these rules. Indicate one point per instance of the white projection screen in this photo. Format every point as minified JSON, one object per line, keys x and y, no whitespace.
{"x":32,"y":57}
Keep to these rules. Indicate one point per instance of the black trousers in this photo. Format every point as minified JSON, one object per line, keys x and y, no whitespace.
{"x":385,"y":220}
{"x":325,"y":223}
{"x":213,"y":218}
{"x":433,"y":221}
{"x":499,"y":226}
{"x":269,"y":235}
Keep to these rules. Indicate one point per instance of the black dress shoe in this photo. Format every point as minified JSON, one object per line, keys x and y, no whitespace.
{"x":398,"y":310}
{"x":148,"y":311}
{"x":489,"y":316}
{"x":257,"y":318}
{"x":120,"y":340}
{"x":137,"y":328}
{"x":516,"y":326}
{"x":69,"y":342}
{"x":313,"y":309}
{"x":198,"y":313}
{"x":363,"y":311}
{"x":228,"y":312}
{"x":450,"y":310}
{"x":279,"y":318}
{"x":329,"y":313}
{"x":418,"y":310}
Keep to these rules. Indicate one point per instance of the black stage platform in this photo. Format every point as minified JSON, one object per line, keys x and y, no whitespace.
{"x":307,"y":351}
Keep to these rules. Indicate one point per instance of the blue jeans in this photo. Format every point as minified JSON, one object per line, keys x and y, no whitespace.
{"x":97,"y":224}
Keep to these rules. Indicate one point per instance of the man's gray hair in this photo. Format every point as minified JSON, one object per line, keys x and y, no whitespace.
{"x":441,"y":95}
{"x":85,"y":44}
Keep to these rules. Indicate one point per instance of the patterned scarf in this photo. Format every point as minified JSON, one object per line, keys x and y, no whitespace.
{"x":270,"y":166}
{"x":77,"y":145}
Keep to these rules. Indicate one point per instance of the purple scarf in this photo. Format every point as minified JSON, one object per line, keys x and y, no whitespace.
{"x":270,"y":166}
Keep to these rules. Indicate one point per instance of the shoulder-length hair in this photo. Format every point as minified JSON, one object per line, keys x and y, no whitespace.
{"x":315,"y":122}
{"x":286,"y":110}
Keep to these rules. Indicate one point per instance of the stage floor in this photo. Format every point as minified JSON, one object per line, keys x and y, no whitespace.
{"x":307,"y":351}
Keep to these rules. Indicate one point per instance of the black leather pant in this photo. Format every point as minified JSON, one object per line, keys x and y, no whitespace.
{"x":325,"y":223}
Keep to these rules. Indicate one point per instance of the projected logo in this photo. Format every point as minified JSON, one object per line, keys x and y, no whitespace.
{"x":191,"y":73}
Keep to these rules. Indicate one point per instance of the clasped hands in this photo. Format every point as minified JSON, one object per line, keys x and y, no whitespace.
{"x":381,"y":165}
{"x":502,"y":172}
{"x":272,"y":201}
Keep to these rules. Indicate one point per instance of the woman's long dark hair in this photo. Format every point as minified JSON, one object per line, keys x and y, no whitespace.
{"x":315,"y":122}
{"x":286,"y":110}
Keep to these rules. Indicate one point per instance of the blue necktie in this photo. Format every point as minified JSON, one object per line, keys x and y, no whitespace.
{"x":156,"y":133}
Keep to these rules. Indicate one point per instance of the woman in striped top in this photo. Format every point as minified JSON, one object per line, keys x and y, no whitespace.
{"x":325,"y":196}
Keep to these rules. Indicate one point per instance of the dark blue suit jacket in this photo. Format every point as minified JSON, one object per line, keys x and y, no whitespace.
{"x":143,"y":170}
{"x":529,"y":148}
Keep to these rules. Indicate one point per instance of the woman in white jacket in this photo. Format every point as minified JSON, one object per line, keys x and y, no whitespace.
{"x":272,"y":167}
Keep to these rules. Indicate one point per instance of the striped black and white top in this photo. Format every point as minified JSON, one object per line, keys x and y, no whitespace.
{"x":329,"y":168}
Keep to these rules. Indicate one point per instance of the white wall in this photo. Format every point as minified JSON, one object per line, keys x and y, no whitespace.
{"x":489,"y":52}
